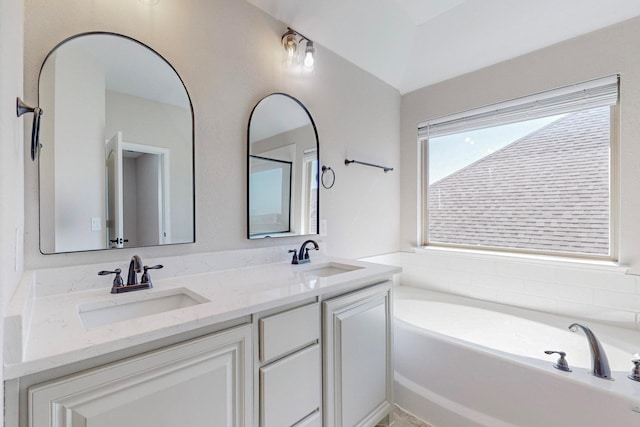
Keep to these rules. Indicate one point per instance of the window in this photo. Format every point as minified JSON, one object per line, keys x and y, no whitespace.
{"x":310,"y":192}
{"x":532,"y":175}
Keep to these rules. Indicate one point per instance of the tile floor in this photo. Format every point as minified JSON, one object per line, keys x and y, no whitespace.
{"x":399,"y":418}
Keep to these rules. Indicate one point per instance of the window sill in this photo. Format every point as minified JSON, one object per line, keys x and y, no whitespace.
{"x":548,"y":260}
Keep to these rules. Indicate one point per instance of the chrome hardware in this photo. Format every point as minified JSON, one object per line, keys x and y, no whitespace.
{"x":600,"y":363}
{"x":303,"y":254}
{"x":561,"y":364}
{"x":635,"y":372}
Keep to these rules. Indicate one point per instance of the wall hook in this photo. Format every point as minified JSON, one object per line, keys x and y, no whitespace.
{"x":22,"y":108}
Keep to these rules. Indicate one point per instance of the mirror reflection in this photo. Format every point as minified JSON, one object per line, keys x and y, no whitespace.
{"x":116,"y":163}
{"x":283,"y":169}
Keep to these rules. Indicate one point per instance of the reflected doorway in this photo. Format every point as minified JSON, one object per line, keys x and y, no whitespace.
{"x":137,"y":194}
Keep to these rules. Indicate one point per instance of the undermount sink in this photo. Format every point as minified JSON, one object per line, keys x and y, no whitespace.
{"x":330,"y":269}
{"x":119,"y":308}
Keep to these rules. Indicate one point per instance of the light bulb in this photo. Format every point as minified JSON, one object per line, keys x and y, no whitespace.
{"x":309,"y":60}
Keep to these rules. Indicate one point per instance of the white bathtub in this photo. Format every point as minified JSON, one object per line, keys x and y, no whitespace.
{"x":461,"y":362}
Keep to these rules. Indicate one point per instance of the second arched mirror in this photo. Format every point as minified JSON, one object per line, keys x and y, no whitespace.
{"x":283,"y":191}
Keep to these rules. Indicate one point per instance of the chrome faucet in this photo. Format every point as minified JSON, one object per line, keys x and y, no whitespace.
{"x":599,"y":360}
{"x":302,"y":257}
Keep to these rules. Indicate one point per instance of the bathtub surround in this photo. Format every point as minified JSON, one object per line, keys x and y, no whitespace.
{"x":578,"y":290}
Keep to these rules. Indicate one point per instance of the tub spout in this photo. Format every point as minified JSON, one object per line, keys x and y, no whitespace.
{"x":599,"y":360}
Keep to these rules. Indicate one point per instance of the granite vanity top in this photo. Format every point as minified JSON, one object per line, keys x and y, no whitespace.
{"x":45,"y":332}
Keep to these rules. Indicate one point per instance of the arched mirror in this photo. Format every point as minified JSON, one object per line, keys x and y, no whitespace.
{"x":283,"y":191}
{"x":116,"y":163}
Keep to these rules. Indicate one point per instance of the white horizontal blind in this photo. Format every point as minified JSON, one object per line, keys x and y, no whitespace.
{"x":591,"y":94}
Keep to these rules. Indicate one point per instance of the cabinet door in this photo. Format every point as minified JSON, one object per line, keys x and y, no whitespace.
{"x":358,"y":366}
{"x":203,"y":382}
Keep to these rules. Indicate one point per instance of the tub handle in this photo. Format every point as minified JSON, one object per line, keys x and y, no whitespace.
{"x":635,"y":372}
{"x":561,"y":364}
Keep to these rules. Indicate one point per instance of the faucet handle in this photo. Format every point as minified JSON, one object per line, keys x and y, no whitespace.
{"x":146,"y":277}
{"x":294,"y":260}
{"x":562,"y":363}
{"x":117,"y":281}
{"x":635,"y":372}
{"x":306,"y":252}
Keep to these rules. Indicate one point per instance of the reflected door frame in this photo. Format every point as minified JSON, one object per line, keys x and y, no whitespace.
{"x":163,"y":191}
{"x":164,"y":187}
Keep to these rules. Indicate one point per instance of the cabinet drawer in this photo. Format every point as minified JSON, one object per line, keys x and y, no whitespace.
{"x":285,"y":332}
{"x":290,"y":389}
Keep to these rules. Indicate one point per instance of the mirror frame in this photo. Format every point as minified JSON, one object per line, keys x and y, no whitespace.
{"x":317,"y":177}
{"x":193,"y":145}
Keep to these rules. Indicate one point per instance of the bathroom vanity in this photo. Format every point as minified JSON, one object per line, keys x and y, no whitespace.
{"x":268,"y":345}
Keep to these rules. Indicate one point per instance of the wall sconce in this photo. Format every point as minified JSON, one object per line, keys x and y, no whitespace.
{"x":290,"y":41}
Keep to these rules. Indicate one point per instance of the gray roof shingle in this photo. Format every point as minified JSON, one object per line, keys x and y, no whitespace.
{"x":546,"y":191}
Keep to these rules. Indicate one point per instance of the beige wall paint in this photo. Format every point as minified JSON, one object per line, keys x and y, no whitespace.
{"x":608,"y":51}
{"x":229,"y":56}
{"x":11,"y":155}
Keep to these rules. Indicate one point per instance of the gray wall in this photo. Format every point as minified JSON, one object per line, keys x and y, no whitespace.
{"x":228,"y":53}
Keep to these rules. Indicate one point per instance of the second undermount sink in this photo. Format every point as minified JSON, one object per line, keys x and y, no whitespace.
{"x":119,"y":308}
{"x":330,"y":269}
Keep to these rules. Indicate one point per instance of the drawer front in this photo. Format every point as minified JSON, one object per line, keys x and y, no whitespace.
{"x":290,"y":389}
{"x":285,"y":332}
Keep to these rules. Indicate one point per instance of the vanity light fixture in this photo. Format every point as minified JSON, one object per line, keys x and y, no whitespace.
{"x":290,"y":41}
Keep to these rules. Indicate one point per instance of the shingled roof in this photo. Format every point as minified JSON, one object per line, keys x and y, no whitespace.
{"x":546,"y":191}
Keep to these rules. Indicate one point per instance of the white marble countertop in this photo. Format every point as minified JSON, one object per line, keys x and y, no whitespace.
{"x":53,"y":335}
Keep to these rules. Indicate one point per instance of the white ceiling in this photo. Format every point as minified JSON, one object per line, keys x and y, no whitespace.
{"x":414,"y":43}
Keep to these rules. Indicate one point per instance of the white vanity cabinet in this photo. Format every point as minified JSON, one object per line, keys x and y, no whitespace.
{"x":207,"y":381}
{"x":290,"y":372}
{"x":357,"y":357}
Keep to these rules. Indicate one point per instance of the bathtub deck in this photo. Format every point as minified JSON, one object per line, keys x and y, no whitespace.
{"x":400,"y":418}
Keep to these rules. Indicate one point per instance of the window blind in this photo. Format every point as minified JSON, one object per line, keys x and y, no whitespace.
{"x":590,"y":94}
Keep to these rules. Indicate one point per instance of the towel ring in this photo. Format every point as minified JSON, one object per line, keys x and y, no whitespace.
{"x":326,"y":170}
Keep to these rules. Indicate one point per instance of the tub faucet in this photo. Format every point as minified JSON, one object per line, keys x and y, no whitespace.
{"x":599,"y":359}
